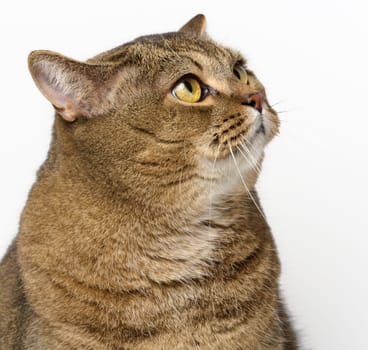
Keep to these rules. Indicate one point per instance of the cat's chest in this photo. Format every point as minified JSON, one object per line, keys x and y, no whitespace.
{"x":186,"y":314}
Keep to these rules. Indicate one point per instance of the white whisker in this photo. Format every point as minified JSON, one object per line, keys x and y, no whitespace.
{"x":244,"y":184}
{"x":249,"y":158}
{"x":249,"y":144}
{"x":277,"y":103}
{"x":249,"y":152}
{"x":210,"y":188}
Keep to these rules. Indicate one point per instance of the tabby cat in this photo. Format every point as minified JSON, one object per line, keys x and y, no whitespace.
{"x":143,"y":229}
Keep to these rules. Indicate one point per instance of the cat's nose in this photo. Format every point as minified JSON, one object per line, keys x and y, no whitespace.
{"x":254,"y":100}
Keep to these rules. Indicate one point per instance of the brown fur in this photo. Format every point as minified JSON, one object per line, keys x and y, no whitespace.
{"x":137,"y":234}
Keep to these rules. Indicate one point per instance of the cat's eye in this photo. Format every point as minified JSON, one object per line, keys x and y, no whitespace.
{"x":188,"y":89}
{"x":241,"y":73}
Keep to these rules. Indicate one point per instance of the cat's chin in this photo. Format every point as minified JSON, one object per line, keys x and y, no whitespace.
{"x":263,"y":129}
{"x":243,"y":158}
{"x":238,"y":171}
{"x":259,"y":139}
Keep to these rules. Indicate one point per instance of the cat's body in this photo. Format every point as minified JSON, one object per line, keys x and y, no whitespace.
{"x":139,"y":232}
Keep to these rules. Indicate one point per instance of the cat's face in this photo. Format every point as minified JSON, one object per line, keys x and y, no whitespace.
{"x":162,"y":111}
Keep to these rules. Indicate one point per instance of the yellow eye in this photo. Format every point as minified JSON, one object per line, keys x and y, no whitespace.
{"x":241,"y":73}
{"x":188,"y":90}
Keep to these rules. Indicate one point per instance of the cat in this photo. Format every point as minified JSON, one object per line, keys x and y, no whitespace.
{"x":143,"y":229}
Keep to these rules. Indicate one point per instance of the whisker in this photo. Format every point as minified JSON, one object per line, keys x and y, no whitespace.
{"x":244,"y":184}
{"x":249,"y":144}
{"x":210,"y":188}
{"x":251,"y":159}
{"x":276,"y":103}
{"x":253,"y":165}
{"x":278,"y":112}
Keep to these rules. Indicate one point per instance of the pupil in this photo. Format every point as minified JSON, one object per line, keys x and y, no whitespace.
{"x":236,"y":73}
{"x":188,"y":85}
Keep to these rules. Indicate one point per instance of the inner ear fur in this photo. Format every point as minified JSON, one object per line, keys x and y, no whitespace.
{"x":74,"y":88}
{"x":196,"y":26}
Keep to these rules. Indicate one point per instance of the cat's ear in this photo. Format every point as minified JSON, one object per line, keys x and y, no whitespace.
{"x":196,"y":26}
{"x":73,"y":88}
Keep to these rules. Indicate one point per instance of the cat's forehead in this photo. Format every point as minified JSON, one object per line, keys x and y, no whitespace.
{"x":172,"y":50}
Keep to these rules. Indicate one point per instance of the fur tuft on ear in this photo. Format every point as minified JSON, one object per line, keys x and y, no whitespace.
{"x":196,"y":26}
{"x":73,"y":88}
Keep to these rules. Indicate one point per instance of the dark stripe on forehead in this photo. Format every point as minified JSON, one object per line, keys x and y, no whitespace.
{"x":223,"y":55}
{"x":197,"y":64}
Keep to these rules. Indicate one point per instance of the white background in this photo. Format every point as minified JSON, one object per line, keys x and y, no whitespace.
{"x":311,"y":55}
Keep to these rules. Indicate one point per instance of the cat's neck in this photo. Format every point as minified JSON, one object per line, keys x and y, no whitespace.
{"x":181,"y":234}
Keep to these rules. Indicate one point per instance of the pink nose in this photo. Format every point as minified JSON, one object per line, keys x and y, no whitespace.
{"x":255,"y":101}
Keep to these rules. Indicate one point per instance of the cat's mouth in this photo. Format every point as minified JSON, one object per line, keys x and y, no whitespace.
{"x":259,"y":129}
{"x":235,"y":135}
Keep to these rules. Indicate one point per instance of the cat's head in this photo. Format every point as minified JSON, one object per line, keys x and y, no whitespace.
{"x":159,"y":113}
